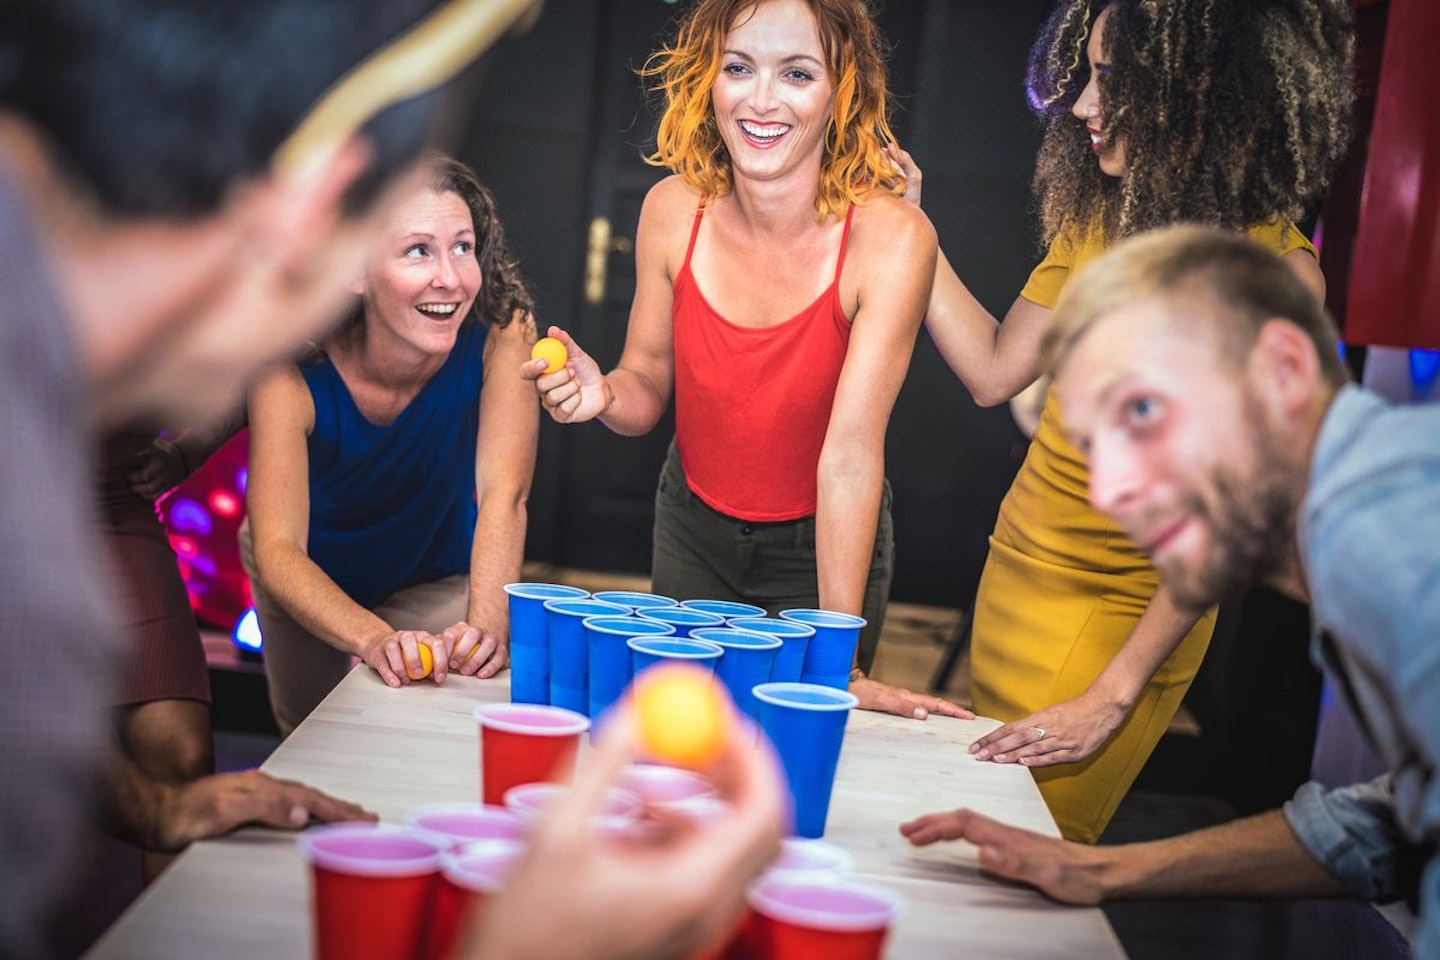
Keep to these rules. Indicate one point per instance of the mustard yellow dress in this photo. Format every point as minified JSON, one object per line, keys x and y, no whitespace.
{"x":1063,"y":588}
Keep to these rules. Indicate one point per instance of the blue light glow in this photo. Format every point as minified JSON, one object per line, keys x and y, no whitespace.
{"x":246,"y":634}
{"x":1424,"y":370}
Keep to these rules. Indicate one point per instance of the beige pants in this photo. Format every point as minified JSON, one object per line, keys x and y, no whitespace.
{"x":302,"y":669}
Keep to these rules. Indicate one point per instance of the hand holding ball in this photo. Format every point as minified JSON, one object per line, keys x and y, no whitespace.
{"x":681,"y":715}
{"x":427,"y":663}
{"x":550,"y":350}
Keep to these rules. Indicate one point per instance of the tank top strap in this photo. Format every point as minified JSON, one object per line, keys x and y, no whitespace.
{"x":844,"y":243}
{"x":694,"y":232}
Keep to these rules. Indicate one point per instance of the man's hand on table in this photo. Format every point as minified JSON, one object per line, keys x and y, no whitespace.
{"x":883,"y":698}
{"x":1064,"y":871}
{"x":218,"y":804}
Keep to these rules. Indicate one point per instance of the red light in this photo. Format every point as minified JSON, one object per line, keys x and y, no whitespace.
{"x":183,"y":546}
{"x":224,"y":503}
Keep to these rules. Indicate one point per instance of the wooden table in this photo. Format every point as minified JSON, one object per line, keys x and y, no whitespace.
{"x":247,"y":895}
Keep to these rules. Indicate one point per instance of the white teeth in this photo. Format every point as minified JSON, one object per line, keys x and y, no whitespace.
{"x":437,"y":309}
{"x":1095,"y":138}
{"x":767,"y":131}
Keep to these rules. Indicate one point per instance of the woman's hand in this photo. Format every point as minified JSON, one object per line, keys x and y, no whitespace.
{"x":475,"y":651}
{"x":905,"y":167}
{"x":1066,"y":733}
{"x":575,"y":393}
{"x":883,"y":698}
{"x":396,"y":656}
{"x":156,"y":470}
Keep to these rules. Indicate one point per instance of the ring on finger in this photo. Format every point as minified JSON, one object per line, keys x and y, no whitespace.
{"x":1040,"y":733}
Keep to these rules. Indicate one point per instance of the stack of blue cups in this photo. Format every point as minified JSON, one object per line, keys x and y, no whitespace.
{"x":646,"y":652}
{"x":610,"y":664}
{"x":530,"y":638}
{"x":683,"y":619}
{"x":570,"y":649}
{"x":790,"y":658}
{"x":831,"y":652}
{"x":749,"y":660}
{"x":633,"y":600}
{"x":729,"y":609}
{"x":806,"y":723}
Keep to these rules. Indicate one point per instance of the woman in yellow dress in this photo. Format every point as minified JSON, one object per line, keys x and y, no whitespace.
{"x":1229,"y":112}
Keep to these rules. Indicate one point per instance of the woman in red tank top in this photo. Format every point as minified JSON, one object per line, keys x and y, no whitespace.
{"x":779,"y":291}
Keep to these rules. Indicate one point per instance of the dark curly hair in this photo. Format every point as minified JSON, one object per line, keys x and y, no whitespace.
{"x":503,"y":291}
{"x":1231,"y":112}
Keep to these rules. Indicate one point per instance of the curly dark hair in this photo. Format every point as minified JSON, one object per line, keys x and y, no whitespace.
{"x":503,"y":291}
{"x":1231,"y":112}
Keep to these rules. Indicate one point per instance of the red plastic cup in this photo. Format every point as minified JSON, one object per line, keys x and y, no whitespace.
{"x":526,"y":743}
{"x":463,"y":822}
{"x":796,"y":855}
{"x":820,"y":916}
{"x":468,"y":876}
{"x":665,"y":787}
{"x":384,"y":873}
{"x":618,"y":811}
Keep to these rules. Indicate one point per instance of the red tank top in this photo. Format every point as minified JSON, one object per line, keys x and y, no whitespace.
{"x":752,"y":404}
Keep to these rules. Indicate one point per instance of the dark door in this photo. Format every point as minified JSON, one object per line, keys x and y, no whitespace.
{"x":607,"y":482}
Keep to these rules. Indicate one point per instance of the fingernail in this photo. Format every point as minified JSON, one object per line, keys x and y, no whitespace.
{"x":920,"y":713}
{"x":298,"y":816}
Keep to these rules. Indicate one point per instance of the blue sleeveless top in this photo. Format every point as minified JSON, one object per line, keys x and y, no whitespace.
{"x":392,"y":506}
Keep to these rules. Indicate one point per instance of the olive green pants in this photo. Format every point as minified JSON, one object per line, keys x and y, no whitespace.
{"x":701,"y":553}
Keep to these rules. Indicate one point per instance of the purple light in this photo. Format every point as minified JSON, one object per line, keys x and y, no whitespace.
{"x":186,"y":514}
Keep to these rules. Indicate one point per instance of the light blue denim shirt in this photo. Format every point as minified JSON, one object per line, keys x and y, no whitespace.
{"x":1369,"y":534}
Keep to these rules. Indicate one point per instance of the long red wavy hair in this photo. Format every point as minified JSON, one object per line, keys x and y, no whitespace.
{"x":689,"y":144}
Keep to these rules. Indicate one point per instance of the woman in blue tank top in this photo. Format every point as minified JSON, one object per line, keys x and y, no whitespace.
{"x":388,"y":476}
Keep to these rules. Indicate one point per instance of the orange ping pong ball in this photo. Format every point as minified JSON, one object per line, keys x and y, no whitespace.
{"x":550,"y":350}
{"x":680,"y":714}
{"x":427,"y":663}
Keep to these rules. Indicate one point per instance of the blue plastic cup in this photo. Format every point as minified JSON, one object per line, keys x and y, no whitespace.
{"x":831,"y":652}
{"x":726,"y":608}
{"x":790,"y":659}
{"x":570,"y":651}
{"x":610,"y":667}
{"x":530,"y":638}
{"x":684,"y":619}
{"x":806,"y":723}
{"x":635,"y":601}
{"x":748,"y":661}
{"x":646,"y":652}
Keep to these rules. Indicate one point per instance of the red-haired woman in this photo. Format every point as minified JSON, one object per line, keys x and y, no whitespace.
{"x":779,"y":293}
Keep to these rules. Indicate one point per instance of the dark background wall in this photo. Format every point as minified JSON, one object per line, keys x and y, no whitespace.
{"x":559,"y":135}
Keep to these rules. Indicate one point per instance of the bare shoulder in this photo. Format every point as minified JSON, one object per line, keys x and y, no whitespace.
{"x":665,"y":221}
{"x":886,"y":227}
{"x":670,"y":203}
{"x":280,"y":395}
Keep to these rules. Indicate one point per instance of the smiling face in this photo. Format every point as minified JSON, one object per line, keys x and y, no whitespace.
{"x":423,"y":278}
{"x":1181,"y":451}
{"x":1090,"y":107}
{"x":772,"y":97}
